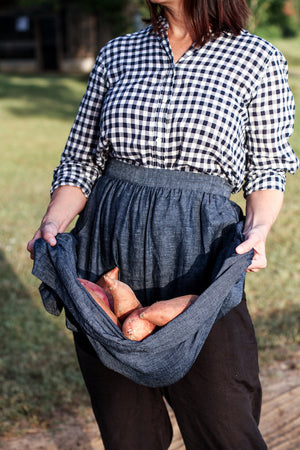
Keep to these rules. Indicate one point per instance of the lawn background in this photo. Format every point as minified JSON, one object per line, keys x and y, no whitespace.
{"x":39,"y":376}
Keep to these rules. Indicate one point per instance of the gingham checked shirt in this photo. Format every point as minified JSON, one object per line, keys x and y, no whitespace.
{"x":224,"y":109}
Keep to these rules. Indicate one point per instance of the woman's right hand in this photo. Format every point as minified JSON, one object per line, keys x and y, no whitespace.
{"x":48,"y":231}
{"x":66,"y":202}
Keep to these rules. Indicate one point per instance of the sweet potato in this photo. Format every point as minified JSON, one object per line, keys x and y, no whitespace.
{"x":135,"y":328}
{"x":100,"y":297}
{"x":124,"y":298}
{"x":162,"y":312}
{"x":114,"y":274}
{"x":98,"y":290}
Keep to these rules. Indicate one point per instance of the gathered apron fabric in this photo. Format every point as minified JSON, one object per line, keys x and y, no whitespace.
{"x":170,"y":233}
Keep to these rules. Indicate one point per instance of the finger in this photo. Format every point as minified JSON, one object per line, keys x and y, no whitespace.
{"x":246,"y":246}
{"x":252,"y":270}
{"x":31,"y":251}
{"x":49,"y":231}
{"x":258,"y":262}
{"x":50,"y":238}
{"x":30,"y":245}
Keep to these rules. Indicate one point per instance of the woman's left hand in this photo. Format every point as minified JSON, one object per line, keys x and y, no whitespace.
{"x":254,"y":239}
{"x":262,"y":209}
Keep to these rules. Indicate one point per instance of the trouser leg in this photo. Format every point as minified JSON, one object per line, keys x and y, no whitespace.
{"x":217,"y":404}
{"x":129,"y":416}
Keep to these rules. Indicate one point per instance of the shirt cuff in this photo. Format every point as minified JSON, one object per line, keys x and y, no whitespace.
{"x":83,"y":179}
{"x":263,"y":180}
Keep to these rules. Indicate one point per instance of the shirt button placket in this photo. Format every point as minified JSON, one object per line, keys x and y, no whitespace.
{"x":162,"y":117}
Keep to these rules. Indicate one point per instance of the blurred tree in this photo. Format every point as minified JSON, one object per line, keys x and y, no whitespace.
{"x":140,"y":6}
{"x":116,"y":13}
{"x":121,"y":15}
{"x":280,"y":14}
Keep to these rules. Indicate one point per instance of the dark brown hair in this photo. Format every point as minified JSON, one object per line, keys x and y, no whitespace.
{"x":207,"y":18}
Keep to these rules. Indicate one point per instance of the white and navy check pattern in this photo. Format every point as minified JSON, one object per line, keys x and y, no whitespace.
{"x":224,"y":109}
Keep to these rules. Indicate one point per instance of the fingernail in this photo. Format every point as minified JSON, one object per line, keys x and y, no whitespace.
{"x":52,"y":241}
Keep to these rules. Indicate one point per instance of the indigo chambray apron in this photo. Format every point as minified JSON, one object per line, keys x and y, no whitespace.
{"x":170,"y":233}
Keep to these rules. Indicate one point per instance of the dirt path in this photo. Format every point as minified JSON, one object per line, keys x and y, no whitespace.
{"x":280,"y":422}
{"x":280,"y":419}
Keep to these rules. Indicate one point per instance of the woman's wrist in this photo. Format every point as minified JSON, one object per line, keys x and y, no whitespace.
{"x":66,"y":202}
{"x":262,"y":209}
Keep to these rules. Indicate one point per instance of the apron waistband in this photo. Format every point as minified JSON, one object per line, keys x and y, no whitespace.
{"x":167,"y":178}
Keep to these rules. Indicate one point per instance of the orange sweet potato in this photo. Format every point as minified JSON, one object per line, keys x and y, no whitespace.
{"x":162,"y":312}
{"x":124,"y":298}
{"x":90,"y":286}
{"x":100,"y":297}
{"x":114,"y":273}
{"x":135,"y":328}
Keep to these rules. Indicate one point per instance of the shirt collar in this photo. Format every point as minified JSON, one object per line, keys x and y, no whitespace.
{"x":163,"y":25}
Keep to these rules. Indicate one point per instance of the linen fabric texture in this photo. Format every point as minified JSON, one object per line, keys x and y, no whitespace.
{"x":224,"y":109}
{"x":170,"y":233}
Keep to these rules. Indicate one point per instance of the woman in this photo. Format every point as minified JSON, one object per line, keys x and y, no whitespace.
{"x":175,"y":117}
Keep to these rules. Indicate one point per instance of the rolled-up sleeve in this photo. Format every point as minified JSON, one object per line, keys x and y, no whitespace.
{"x":77,"y":166}
{"x":271,"y":121}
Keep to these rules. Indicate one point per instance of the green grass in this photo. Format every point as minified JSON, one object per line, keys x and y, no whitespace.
{"x":39,"y":375}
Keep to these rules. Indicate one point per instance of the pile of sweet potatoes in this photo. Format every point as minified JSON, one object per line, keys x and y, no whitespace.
{"x":119,"y":302}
